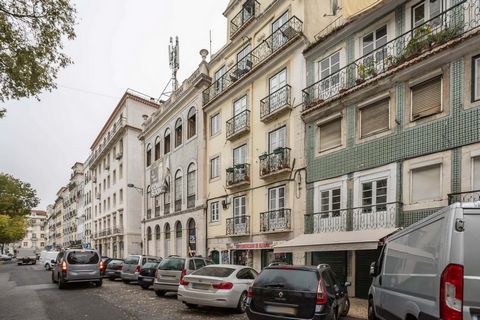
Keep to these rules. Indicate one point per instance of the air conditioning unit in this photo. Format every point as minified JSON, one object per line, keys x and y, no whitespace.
{"x":119,"y":155}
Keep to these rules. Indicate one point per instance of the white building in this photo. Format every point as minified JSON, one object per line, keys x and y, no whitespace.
{"x":86,"y":216}
{"x":36,"y":233}
{"x":115,"y":164}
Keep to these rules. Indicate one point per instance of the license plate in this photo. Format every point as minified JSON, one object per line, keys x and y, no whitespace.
{"x":281,"y":310}
{"x":200,"y":286}
{"x":147,"y":280}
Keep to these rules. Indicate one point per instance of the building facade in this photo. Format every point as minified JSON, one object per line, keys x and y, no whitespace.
{"x":87,"y":215}
{"x":115,"y":164}
{"x":36,"y":235}
{"x":392,"y":127}
{"x":174,"y":189}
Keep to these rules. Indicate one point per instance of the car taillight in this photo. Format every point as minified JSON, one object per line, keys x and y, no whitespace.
{"x":102,"y":266}
{"x":137,"y":269}
{"x":183,"y":274}
{"x":64,"y":266}
{"x":451,"y":292}
{"x":321,"y":293}
{"x":223,"y":285}
{"x":183,"y":282}
{"x":250,"y":292}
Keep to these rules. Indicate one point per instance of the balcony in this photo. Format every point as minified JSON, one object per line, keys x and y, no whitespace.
{"x":238,"y":175}
{"x":467,"y":196}
{"x":149,"y":213}
{"x":238,"y":226}
{"x":275,"y":220}
{"x":178,"y":205}
{"x":275,"y":163}
{"x":191,"y":201}
{"x":166,"y":208}
{"x":330,"y":221}
{"x":110,"y":139}
{"x":263,"y":52}
{"x":448,"y":25}
{"x":238,"y":125}
{"x":244,"y":17}
{"x":117,"y":230}
{"x":276,"y":103}
{"x":109,"y":232}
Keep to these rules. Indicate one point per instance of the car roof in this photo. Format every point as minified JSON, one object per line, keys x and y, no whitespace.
{"x":230,"y":266}
{"x":318,"y":268}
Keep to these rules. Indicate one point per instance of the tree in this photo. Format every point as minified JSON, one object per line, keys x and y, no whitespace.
{"x":17,"y":198}
{"x":11,"y":229}
{"x":31,"y":35}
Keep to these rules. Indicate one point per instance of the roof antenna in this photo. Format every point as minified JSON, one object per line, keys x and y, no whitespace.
{"x":174,"y":63}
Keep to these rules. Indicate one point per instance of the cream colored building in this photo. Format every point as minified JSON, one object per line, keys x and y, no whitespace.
{"x":36,"y":235}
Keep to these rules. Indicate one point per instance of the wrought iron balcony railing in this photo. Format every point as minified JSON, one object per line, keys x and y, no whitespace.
{"x":467,"y":196}
{"x":109,"y":231}
{"x":238,"y":226}
{"x":238,"y":174}
{"x":275,"y":220}
{"x":281,"y":37}
{"x":249,"y":9}
{"x":166,"y":208}
{"x":149,"y":213}
{"x":275,"y":102}
{"x":157,"y":211}
{"x":449,"y":24}
{"x":178,"y":205}
{"x":117,"y":230}
{"x":275,"y":162}
{"x":191,"y":201}
{"x":238,"y":124}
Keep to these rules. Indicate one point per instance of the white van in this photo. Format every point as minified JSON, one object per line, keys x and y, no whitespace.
{"x":431,"y":269}
{"x":46,"y":258}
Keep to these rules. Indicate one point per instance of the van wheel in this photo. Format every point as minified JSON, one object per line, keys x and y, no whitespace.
{"x":371,"y":310}
{"x":160,"y":293}
{"x":61,"y":283}
{"x":34,"y":262}
{"x":347,"y":307}
{"x":242,"y":303}
{"x":19,"y":263}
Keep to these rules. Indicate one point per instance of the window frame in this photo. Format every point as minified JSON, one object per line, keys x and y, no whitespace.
{"x":423,"y":82}
{"x":376,"y":131}
{"x":218,"y":126}
{"x":475,"y":73}
{"x":337,"y":117}
{"x":192,"y":115}
{"x":167,"y":141}
{"x":214,"y":212}
{"x":178,"y":136}
{"x":148,"y":155}
{"x":217,"y":167}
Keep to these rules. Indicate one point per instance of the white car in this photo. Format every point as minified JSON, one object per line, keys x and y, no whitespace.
{"x":218,"y":285}
{"x":46,"y":258}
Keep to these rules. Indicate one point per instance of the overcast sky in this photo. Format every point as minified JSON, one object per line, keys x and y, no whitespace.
{"x":120,"y":44}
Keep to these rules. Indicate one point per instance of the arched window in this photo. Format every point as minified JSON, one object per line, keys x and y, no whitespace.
{"x":166,"y":196}
{"x":191,"y":185}
{"x":157,"y":232}
{"x":157,"y":148}
{"x":149,"y":154}
{"x":149,"y":233}
{"x":157,"y":238}
{"x":178,"y":132}
{"x":166,"y":141}
{"x":149,"y":202}
{"x":192,"y":123}
{"x":178,"y":238}
{"x":167,"y":239}
{"x":192,"y":237}
{"x":178,"y":190}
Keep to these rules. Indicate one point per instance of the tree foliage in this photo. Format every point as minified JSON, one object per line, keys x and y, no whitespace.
{"x":12,"y":229}
{"x":31,"y":35}
{"x":17,"y":198}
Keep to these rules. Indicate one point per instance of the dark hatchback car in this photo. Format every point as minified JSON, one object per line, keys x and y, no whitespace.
{"x":297,"y":292}
{"x":147,"y":274}
{"x":114,"y":268}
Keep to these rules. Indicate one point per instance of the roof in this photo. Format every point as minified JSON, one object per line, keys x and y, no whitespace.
{"x":39,"y":212}
{"x":335,"y":241}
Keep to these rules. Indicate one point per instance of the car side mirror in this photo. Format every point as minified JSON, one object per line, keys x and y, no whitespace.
{"x":373,"y":269}
{"x":348,"y":284}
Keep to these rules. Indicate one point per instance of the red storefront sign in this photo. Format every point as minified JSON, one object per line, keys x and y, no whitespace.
{"x":253,"y":245}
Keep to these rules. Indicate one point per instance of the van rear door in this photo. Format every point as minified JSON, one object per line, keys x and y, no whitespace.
{"x":471,"y":302}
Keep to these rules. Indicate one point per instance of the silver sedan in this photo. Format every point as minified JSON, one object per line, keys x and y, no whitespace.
{"x":218,"y":285}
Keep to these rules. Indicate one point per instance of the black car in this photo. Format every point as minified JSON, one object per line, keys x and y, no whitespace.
{"x":147,"y":274}
{"x":113,"y":269}
{"x":297,"y":292}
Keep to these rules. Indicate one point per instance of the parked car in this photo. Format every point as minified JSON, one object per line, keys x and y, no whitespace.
{"x":223,"y":286}
{"x":5,"y":257}
{"x":46,"y":258}
{"x":147,"y":274}
{"x":298,"y":292}
{"x":433,"y":265}
{"x":113,"y":269}
{"x":77,"y":265}
{"x":174,"y":268}
{"x":26,"y":255}
{"x":131,"y":266}
{"x":105,"y":260}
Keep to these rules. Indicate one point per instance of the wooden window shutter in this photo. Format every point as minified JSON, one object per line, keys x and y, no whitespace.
{"x":426,"y":183}
{"x":427,"y":98}
{"x":374,"y":118}
{"x":331,"y":134}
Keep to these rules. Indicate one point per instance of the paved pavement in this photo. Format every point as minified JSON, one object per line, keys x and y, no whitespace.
{"x":26,"y":292}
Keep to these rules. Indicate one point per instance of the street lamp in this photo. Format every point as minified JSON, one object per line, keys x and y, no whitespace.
{"x":131,"y":185}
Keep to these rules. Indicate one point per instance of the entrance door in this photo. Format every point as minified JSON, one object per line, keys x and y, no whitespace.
{"x":337,"y":261}
{"x":215,"y":256}
{"x":239,"y":212}
{"x":362,"y":271}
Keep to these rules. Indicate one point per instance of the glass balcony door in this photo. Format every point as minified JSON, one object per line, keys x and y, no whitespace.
{"x":278,"y":37}
{"x":276,"y":204}
{"x":239,"y":215}
{"x":278,"y":97}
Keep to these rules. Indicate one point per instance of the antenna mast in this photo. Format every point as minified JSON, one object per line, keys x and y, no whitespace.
{"x":173,"y":54}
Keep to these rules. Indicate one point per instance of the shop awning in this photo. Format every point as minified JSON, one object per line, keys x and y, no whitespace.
{"x":335,"y":241}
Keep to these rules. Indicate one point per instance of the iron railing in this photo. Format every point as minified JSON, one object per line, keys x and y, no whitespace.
{"x":449,"y":24}
{"x":276,"y":161}
{"x":157,"y":211}
{"x":238,"y":123}
{"x":249,"y":9}
{"x":238,"y":173}
{"x":275,"y":101}
{"x":264,"y":50}
{"x":466,"y":196}
{"x":109,"y":231}
{"x":111,"y":136}
{"x":178,"y":205}
{"x":117,"y":230}
{"x":336,"y":24}
{"x":149,"y":213}
{"x":191,"y":201}
{"x":239,"y":225}
{"x":275,"y":220}
{"x":166,"y":208}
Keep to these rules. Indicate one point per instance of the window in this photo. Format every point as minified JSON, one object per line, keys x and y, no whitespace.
{"x":374,"y":193}
{"x":178,"y":190}
{"x":214,"y":212}
{"x":374,"y":118}
{"x":425,"y":11}
{"x":215,"y":167}
{"x":157,"y":205}
{"x":167,"y":239}
{"x":276,"y":198}
{"x":240,"y":155}
{"x":278,"y":38}
{"x":192,"y":123}
{"x":121,"y":195}
{"x":427,"y":98}
{"x":278,"y":97}
{"x":191,"y":185}
{"x":239,"y":206}
{"x":244,"y":61}
{"x":149,"y":197}
{"x":149,"y":233}
{"x":330,"y":134}
{"x":178,"y":238}
{"x":476,"y":173}
{"x":120,"y":171}
{"x":218,"y":79}
{"x":277,"y":139}
{"x":166,"y":142}
{"x":157,"y":148}
{"x":149,"y":154}
{"x":330,"y":201}
{"x":166,"y":196}
{"x":370,"y":43}
{"x":327,"y":67}
{"x":215,"y":126}
{"x":178,"y":132}
{"x":476,"y":78}
{"x":114,"y":176}
{"x":426,"y":183}
{"x":240,"y":105}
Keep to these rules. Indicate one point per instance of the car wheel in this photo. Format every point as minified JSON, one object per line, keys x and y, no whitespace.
{"x":346,"y":307}
{"x":144,"y":286}
{"x":19,"y":263}
{"x":61,"y":283}
{"x":126,"y":281}
{"x":371,"y":310}
{"x":191,"y":305}
{"x":242,"y":303}
{"x":160,"y":293}
{"x":53,"y":278}
{"x":99,"y":283}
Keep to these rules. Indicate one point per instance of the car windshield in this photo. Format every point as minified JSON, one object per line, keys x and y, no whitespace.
{"x":291,"y":279}
{"x":85,"y":257}
{"x":150,"y":265}
{"x":221,"y":272}
{"x":172,"y":264}
{"x":132,"y":260}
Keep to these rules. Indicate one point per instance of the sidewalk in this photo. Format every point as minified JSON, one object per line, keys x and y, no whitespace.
{"x":358,"y":308}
